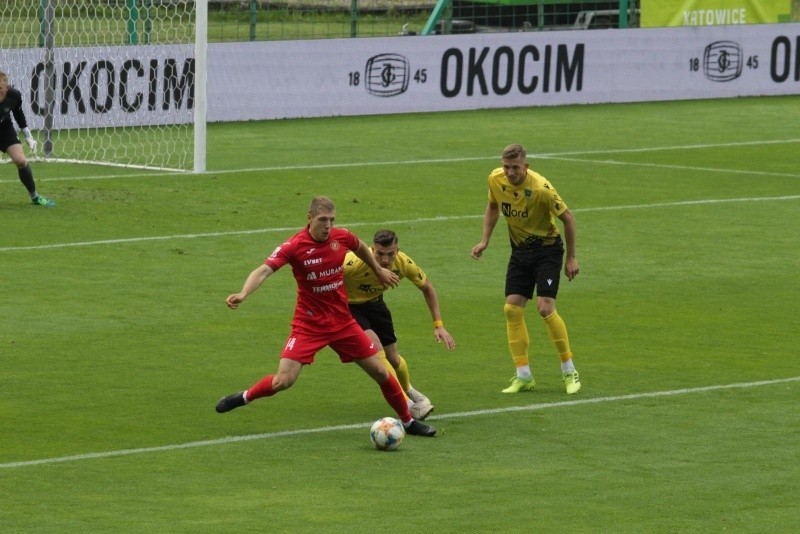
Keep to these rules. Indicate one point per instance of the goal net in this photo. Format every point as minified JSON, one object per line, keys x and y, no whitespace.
{"x":114,"y":82}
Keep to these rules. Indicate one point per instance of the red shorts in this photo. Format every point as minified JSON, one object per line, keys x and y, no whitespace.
{"x":349,"y":342}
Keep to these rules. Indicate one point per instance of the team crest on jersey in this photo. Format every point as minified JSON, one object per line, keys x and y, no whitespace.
{"x":528,"y":192}
{"x":335,"y":245}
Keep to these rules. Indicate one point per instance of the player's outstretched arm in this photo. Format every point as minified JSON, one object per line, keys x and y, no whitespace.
{"x":385,"y":276}
{"x":253,"y":282}
{"x":439,"y":331}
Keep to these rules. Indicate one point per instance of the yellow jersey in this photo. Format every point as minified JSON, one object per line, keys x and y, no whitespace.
{"x":530,"y":208}
{"x":362,"y":285}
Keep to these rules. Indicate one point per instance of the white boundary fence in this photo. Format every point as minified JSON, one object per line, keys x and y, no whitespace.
{"x":411,"y":74}
{"x":321,"y":78}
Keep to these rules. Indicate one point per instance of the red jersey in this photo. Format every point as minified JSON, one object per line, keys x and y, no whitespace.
{"x":318,"y":269}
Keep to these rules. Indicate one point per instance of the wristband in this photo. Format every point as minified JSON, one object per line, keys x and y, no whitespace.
{"x":438,"y":324}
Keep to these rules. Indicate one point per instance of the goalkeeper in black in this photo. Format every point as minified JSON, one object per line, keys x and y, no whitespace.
{"x":11,"y":106}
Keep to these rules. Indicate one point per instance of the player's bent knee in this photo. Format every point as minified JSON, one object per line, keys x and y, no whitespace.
{"x":380,"y":375}
{"x":375,"y":368}
{"x":281,"y":382}
{"x":513,"y":313}
{"x":546,"y":306}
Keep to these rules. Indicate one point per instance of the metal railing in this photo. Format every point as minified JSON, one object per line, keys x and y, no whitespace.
{"x":255,"y":20}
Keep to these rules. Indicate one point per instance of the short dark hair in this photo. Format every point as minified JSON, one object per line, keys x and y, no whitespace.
{"x":385,"y":238}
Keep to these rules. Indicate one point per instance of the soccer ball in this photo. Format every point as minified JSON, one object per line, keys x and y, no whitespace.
{"x":387,"y":434}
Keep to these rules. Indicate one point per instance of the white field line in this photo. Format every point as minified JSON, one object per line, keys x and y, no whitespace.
{"x":674,"y":167}
{"x":457,"y":415}
{"x":385,"y":223}
{"x":553,"y":155}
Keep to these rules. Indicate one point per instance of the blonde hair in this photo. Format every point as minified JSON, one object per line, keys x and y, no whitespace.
{"x":514,"y":152}
{"x":320,"y":203}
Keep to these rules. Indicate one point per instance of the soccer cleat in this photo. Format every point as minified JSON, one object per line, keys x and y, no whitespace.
{"x":520,"y":384}
{"x":416,"y":396}
{"x":42,"y":201}
{"x":420,"y":429}
{"x":422,"y":409}
{"x":572,"y":382}
{"x":234,"y":400}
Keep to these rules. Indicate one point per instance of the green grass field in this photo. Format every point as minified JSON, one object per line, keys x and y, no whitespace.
{"x":108,"y":23}
{"x":115,"y":342}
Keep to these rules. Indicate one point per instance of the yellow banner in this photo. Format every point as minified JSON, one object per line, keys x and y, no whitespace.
{"x":659,"y":13}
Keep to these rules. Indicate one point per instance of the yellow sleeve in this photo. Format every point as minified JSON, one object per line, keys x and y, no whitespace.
{"x":409,"y":269}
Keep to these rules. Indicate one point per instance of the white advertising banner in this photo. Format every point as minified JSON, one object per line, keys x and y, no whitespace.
{"x":148,"y":85}
{"x":96,"y":87}
{"x":269,"y":80}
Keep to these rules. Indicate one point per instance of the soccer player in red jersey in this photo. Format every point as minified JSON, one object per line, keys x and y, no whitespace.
{"x":322,"y":316}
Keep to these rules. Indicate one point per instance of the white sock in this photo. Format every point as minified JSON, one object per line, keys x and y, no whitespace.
{"x":524,"y":372}
{"x":568,"y":366}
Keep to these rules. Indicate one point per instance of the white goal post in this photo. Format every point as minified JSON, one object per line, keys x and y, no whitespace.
{"x":111,"y":82}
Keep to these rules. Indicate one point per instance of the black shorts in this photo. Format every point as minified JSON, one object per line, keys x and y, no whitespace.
{"x":375,"y":315}
{"x":8,"y":135}
{"x":535,"y":266}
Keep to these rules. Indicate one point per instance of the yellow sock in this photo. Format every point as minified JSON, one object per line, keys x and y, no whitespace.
{"x":403,"y":375}
{"x":558,"y":335}
{"x":517,"y":330}
{"x":385,"y":360}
